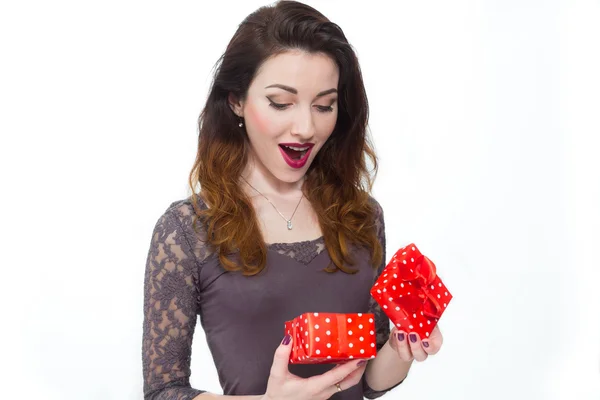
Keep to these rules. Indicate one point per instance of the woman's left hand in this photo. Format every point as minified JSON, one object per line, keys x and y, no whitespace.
{"x":409,"y":346}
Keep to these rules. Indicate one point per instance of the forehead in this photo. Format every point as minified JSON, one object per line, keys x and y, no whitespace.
{"x":308,"y":73}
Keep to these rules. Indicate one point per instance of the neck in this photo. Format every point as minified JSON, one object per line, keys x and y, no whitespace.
{"x":269,"y":185}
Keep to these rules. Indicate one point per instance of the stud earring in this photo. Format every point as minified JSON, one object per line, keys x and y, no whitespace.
{"x":241,"y":124}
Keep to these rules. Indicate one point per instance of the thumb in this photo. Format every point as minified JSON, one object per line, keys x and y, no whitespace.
{"x":281,"y":359}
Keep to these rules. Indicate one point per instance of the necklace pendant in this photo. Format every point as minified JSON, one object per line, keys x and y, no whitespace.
{"x":290,"y":225}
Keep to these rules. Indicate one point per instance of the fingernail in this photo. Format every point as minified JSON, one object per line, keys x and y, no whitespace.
{"x":401,"y":336}
{"x":286,"y":339}
{"x":361,"y":363}
{"x":425,"y":344}
{"x":413,"y":337}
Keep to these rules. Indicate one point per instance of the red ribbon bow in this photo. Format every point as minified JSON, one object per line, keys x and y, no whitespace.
{"x":420,"y":276}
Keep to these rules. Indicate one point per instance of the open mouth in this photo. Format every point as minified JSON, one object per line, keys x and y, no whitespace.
{"x":294,"y":153}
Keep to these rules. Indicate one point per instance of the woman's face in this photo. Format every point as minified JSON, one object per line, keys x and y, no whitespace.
{"x":292,"y":101}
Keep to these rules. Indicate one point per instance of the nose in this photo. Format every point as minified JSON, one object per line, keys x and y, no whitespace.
{"x":303,"y":125}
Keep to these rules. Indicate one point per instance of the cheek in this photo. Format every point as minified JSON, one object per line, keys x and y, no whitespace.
{"x":258,"y":120}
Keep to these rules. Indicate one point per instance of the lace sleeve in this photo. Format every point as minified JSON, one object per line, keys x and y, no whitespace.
{"x":382,"y":322}
{"x":170,"y":309}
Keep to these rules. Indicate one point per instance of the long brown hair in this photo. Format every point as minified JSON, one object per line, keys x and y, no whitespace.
{"x":337,"y":183}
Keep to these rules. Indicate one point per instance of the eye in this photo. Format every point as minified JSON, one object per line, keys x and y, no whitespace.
{"x":277,"y":106}
{"x":325,"y":109}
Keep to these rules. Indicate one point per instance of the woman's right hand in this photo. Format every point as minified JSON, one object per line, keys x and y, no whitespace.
{"x":283,"y":385}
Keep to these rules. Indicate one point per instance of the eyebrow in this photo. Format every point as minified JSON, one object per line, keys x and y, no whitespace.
{"x":294,"y":91}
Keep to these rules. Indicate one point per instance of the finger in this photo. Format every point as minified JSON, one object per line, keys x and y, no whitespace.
{"x":416,"y":348}
{"x":335,"y":375}
{"x":350,"y":380}
{"x":433,"y":343}
{"x":402,"y":346}
{"x":281,"y":359}
{"x":393,"y":338}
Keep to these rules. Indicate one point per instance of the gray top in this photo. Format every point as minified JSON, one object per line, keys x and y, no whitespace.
{"x":243,"y":317}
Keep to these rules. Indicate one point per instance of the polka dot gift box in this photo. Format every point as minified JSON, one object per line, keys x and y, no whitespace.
{"x":323,"y":338}
{"x":410,"y":292}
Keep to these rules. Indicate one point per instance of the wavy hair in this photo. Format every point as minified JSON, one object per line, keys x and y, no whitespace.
{"x":338,"y":182}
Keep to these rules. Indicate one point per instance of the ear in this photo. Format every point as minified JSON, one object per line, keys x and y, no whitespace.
{"x":236,"y":105}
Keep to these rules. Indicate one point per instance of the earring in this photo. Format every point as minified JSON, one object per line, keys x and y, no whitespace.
{"x":241,"y":124}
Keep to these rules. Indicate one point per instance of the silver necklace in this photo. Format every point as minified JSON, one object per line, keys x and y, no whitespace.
{"x":289,"y":221}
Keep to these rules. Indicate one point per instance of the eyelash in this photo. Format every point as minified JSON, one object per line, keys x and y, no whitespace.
{"x":281,"y":107}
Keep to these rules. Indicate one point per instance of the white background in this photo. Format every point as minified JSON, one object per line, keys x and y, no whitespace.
{"x":485,"y":116}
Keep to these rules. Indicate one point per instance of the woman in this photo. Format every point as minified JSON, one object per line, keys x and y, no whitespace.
{"x":283,"y":224}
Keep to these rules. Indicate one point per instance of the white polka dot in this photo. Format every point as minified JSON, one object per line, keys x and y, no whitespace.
{"x":402,"y":285}
{"x":328,"y":333}
{"x":305,"y":321}
{"x":414,"y":315}
{"x":412,"y":259}
{"x":427,"y":333}
{"x":351,"y":357}
{"x":328,"y":345}
{"x":394,"y":287}
{"x":440,"y":284}
{"x":318,"y":351}
{"x":428,"y":322}
{"x":390,"y":299}
{"x":362,"y":351}
{"x":306,"y":333}
{"x":444,"y":304}
{"x":359,"y":314}
{"x":328,"y":356}
{"x":378,"y":291}
{"x":317,"y":339}
{"x":403,"y":261}
{"x":327,"y":320}
{"x":307,"y":345}
{"x":384,"y":275}
{"x":316,"y":314}
{"x":445,"y":293}
{"x":432,"y":287}
{"x":385,"y":290}
{"x":360,"y":326}
{"x":439,"y":296}
{"x":300,"y":329}
{"x":350,"y":345}
{"x":372,"y":344}
{"x":370,"y":319}
{"x":421,"y":324}
{"x":349,"y":332}
{"x":410,"y":327}
{"x":361,"y":338}
{"x":372,"y":356}
{"x":385,"y":306}
{"x":413,"y":248}
{"x":404,"y":253}
{"x":349,"y":319}
{"x":385,"y":281}
{"x":371,"y":332}
{"x":317,"y":326}
{"x":398,"y":325}
{"x":395,"y":276}
{"x":397,"y":308}
{"x":408,"y":293}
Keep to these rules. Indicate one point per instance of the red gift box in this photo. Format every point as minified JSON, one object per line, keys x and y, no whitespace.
{"x":410,"y":292}
{"x":322,"y":338}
